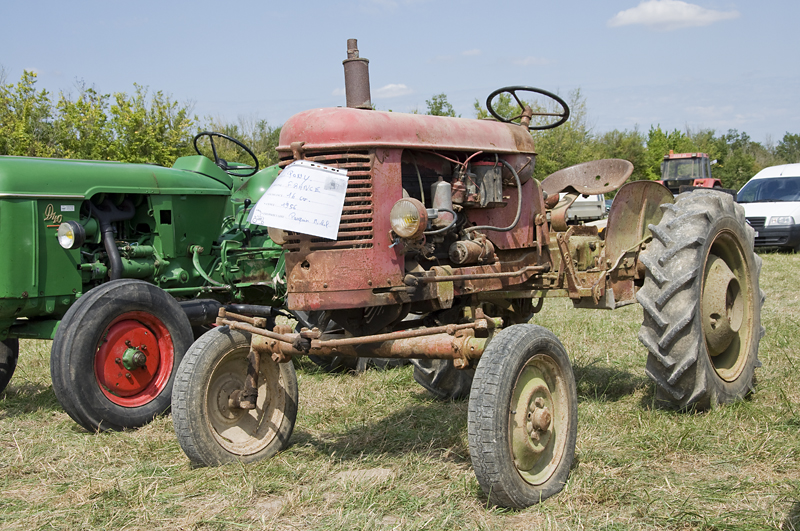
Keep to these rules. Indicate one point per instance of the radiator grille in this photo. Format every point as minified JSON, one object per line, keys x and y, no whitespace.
{"x":756,"y":223}
{"x":356,"y":225}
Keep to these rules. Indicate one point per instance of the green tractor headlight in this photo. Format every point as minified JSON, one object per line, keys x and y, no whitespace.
{"x":408,"y":218}
{"x":71,"y":235}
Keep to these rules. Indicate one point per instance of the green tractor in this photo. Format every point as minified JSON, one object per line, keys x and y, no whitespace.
{"x":121,"y":265}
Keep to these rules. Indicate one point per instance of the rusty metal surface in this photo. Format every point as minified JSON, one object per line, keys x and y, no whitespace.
{"x":249,"y":395}
{"x":356,"y":78}
{"x":414,"y":280}
{"x":594,"y":177}
{"x":558,"y":216}
{"x":567,"y":269}
{"x":465,"y":341}
{"x":523,"y":235}
{"x":636,"y":205}
{"x":348,"y":129}
{"x":328,"y":274}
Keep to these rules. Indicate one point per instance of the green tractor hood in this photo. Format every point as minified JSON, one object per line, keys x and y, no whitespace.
{"x":78,"y":179}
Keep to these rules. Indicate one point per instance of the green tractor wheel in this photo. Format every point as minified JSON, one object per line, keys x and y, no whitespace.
{"x":115,"y":355}
{"x":9,"y":352}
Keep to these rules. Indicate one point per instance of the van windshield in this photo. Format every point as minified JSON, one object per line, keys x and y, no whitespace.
{"x":771,"y":190}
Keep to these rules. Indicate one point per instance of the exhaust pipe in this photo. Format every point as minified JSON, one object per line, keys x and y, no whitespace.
{"x":356,"y":78}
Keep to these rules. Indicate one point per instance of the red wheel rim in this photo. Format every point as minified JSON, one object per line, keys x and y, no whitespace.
{"x":138,"y":336}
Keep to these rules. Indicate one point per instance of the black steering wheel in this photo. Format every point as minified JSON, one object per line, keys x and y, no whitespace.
{"x":562,"y":116}
{"x":230,"y":169}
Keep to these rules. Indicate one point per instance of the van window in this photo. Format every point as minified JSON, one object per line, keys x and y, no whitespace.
{"x":770,"y":190}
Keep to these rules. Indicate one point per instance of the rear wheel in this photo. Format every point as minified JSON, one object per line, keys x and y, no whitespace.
{"x":702,"y":302}
{"x":9,"y":353}
{"x":442,"y":379}
{"x":211,"y":429}
{"x":334,"y":364}
{"x":115,"y":354}
{"x":523,"y":417}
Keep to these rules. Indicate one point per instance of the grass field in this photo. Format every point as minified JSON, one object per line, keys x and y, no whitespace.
{"x":375,"y":452}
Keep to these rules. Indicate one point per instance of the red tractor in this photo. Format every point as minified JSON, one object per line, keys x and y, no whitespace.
{"x":444,"y":248}
{"x":687,"y":170}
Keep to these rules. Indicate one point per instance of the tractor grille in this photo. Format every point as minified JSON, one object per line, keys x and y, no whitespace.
{"x":756,"y":223}
{"x":356,"y":225}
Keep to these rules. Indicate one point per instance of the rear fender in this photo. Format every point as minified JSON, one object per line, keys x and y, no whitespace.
{"x":636,"y":206}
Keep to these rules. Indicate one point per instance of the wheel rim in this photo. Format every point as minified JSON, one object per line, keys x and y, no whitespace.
{"x":244,"y":431}
{"x":134,"y":358}
{"x":726,"y":306}
{"x":539,"y":419}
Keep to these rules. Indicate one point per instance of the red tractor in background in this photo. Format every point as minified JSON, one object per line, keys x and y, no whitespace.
{"x":687,"y":170}
{"x":443,"y":248}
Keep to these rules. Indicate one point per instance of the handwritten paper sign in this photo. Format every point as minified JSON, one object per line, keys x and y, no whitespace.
{"x":306,"y":197}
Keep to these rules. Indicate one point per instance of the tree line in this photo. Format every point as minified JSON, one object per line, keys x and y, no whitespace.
{"x":143,"y":126}
{"x":146,"y":126}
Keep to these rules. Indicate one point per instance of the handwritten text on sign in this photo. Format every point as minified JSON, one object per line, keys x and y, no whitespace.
{"x":306,"y":197}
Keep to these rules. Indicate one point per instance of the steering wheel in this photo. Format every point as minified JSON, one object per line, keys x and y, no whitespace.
{"x":222,"y":163}
{"x":562,"y":116}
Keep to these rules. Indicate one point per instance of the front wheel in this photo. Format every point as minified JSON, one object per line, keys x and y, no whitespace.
{"x":115,"y":354}
{"x":211,"y":428}
{"x":702,"y":302}
{"x":523,"y":417}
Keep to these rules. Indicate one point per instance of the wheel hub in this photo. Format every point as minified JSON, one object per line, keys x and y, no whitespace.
{"x":133,"y":358}
{"x":539,"y":418}
{"x":723,"y":306}
{"x":532,"y":422}
{"x":128,"y":359}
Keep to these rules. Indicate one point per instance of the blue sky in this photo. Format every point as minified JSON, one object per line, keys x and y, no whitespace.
{"x":717,"y":64}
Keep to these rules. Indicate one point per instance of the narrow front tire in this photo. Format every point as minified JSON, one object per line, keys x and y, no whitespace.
{"x":523,"y":417}
{"x":211,"y":429}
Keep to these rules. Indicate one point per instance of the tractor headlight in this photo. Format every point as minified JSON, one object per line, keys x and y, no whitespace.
{"x":71,"y":235}
{"x":780,"y":220}
{"x":408,"y":218}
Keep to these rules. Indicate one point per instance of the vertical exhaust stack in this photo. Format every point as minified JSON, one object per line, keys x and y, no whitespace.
{"x":356,"y":78}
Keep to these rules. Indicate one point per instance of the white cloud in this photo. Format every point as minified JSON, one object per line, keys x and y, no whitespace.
{"x":667,"y":15}
{"x":471,"y":52}
{"x":392,"y":90}
{"x":530,"y":61}
{"x":338,"y":92}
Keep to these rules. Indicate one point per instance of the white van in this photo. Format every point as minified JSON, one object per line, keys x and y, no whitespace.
{"x":587,"y":208}
{"x":771,"y":201}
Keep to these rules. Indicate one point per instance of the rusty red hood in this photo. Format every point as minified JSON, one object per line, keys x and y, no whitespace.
{"x":352,"y":128}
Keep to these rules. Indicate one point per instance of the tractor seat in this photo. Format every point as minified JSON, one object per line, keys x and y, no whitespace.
{"x":588,"y":178}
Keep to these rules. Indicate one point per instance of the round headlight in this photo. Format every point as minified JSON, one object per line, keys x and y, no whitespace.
{"x":71,"y":235}
{"x":408,"y":218}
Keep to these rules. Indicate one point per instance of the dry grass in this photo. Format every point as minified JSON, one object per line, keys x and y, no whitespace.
{"x":375,"y":452}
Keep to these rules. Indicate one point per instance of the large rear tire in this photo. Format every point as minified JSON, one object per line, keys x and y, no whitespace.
{"x":115,"y":354}
{"x":523,"y":417}
{"x":702,"y":302}
{"x":210,"y":429}
{"x":9,"y":354}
